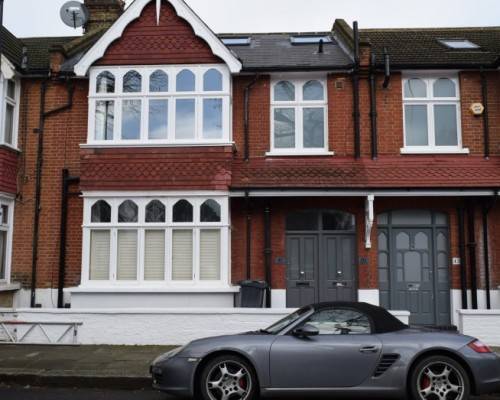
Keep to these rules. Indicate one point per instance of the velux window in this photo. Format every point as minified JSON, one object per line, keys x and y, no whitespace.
{"x":299,"y":116}
{"x":432,"y":114}
{"x":160,"y":105}
{"x":164,"y":240}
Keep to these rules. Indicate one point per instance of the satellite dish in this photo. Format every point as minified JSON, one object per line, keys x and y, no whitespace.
{"x":74,"y":14}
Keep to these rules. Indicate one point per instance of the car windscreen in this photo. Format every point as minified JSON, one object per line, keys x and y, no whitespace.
{"x":288,"y":320}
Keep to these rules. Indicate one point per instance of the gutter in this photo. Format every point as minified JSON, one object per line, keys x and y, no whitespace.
{"x":44,"y":115}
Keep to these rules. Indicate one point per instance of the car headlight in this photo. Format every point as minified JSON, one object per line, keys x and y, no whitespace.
{"x":168,"y":355}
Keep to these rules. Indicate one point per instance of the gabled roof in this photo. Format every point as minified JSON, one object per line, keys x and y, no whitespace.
{"x":421,"y":48}
{"x":38,"y":51}
{"x":275,"y":51}
{"x":133,"y":12}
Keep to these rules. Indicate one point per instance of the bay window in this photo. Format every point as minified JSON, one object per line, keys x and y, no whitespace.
{"x":171,"y":105}
{"x":431,"y":107}
{"x":6,"y":217}
{"x":166,"y":241}
{"x":299,"y":117}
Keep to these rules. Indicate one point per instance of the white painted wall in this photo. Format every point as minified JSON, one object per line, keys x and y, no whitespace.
{"x":481,"y":324}
{"x":371,"y":296}
{"x":456,"y":302}
{"x":155,"y":327}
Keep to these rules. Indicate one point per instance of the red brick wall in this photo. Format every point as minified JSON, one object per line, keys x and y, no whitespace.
{"x":145,"y":43}
{"x":8,"y":170}
{"x":63,"y":134}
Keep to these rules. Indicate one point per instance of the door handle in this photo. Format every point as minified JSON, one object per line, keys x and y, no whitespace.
{"x":369,"y":349}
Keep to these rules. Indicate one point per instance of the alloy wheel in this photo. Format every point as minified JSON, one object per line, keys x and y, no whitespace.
{"x":229,"y":380}
{"x":440,"y":381}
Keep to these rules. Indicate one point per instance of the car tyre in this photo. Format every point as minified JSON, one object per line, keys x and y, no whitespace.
{"x":230,"y":376}
{"x":439,"y":377}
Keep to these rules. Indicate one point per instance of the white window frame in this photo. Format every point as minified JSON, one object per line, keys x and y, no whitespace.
{"x":299,"y":104}
{"x":6,"y":200}
{"x":429,"y":78}
{"x":169,"y":199}
{"x":172,"y":95}
{"x":4,"y":100}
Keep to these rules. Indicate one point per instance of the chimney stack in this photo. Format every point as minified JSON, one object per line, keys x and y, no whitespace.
{"x":103,"y":13}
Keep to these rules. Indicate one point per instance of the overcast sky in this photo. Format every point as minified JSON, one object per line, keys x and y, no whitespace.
{"x":41,"y":17}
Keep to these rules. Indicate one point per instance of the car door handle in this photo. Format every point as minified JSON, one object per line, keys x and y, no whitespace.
{"x":369,"y":349}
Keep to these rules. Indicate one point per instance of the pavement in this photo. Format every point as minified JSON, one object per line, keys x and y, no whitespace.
{"x":110,"y":367}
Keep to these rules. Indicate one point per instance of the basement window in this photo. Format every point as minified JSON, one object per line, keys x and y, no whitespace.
{"x":310,"y":39}
{"x":237,"y":41}
{"x":459,"y":44}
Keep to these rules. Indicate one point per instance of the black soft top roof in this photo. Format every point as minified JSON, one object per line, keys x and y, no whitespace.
{"x":382,"y":320}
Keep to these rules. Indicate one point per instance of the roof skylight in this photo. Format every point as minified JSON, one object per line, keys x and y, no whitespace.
{"x":459,"y":44}
{"x":310,"y":39}
{"x":236,"y":41}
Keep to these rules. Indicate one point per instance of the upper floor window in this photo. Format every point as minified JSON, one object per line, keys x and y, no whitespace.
{"x":299,"y":116}
{"x":9,"y":110}
{"x":432,"y":114}
{"x":160,"y":105}
{"x":164,"y":240}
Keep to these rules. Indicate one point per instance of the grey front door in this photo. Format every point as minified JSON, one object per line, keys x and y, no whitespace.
{"x":413,"y":265}
{"x":321,"y":254}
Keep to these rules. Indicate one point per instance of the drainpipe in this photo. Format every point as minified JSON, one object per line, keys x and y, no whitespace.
{"x":268,"y":253}
{"x":44,"y":115}
{"x":355,"y":89}
{"x":373,"y":106}
{"x":387,"y":69}
{"x":486,"y":122}
{"x":486,"y":249}
{"x":246,"y":102}
{"x":248,"y":217}
{"x":66,"y":181}
{"x":472,"y":253}
{"x":463,"y":261}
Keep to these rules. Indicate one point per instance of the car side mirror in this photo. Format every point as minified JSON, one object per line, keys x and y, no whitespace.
{"x":306,"y":330}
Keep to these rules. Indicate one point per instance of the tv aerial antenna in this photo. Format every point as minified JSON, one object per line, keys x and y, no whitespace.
{"x":74,"y":14}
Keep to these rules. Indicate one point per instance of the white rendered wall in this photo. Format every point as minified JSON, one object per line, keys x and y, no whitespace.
{"x":155,"y":327}
{"x":481,"y":324}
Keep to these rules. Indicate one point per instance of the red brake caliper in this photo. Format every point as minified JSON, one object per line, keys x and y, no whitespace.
{"x":425,"y":382}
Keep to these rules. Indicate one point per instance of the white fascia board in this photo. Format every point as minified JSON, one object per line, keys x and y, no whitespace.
{"x":8,"y":69}
{"x":153,"y":194}
{"x":362,"y":193}
{"x":133,"y":12}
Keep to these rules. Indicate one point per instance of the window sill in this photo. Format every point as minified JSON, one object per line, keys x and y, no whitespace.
{"x":152,"y":144}
{"x":409,"y":150}
{"x":153,"y":289}
{"x":9,"y":287}
{"x":299,"y":153}
{"x":9,"y":147}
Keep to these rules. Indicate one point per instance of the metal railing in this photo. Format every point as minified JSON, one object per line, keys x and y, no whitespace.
{"x":23,"y":332}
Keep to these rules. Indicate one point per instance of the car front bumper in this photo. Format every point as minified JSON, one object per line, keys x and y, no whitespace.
{"x":175,"y":376}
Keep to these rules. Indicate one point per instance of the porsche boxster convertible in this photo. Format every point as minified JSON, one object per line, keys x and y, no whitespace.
{"x":340,"y":349}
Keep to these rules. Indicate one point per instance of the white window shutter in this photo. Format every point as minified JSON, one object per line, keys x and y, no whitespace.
{"x":182,"y":256}
{"x":154,"y":255}
{"x":99,"y":255}
{"x":127,"y":256}
{"x":210,"y":255}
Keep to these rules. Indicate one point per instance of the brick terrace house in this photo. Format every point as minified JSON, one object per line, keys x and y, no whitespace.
{"x":151,"y":163}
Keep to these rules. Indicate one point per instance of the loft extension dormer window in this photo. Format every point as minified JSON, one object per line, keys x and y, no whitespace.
{"x":9,"y":110}
{"x":175,"y":105}
{"x":432,"y":119}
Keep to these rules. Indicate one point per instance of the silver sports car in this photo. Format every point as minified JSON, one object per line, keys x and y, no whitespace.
{"x":341,"y":349}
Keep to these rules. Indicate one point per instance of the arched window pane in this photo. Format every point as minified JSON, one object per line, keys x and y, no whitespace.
{"x":415,"y":88}
{"x":132,"y":82}
{"x":210,"y":211}
{"x":212,"y":81}
{"x":313,"y":90}
{"x":444,"y":87}
{"x":101,"y":212}
{"x":186,"y":81}
{"x":105,"y":82}
{"x":158,"y":82}
{"x":284,"y":91}
{"x":155,"y":212}
{"x":183,"y":211}
{"x":128,"y":212}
